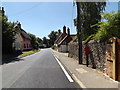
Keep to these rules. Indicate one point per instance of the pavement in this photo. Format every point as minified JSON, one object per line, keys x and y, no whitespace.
{"x":86,"y":77}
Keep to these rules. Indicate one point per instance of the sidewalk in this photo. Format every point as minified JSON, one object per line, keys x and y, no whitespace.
{"x":86,"y":77}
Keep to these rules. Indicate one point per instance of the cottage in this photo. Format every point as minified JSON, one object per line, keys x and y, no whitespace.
{"x":22,"y":41}
{"x":63,"y":39}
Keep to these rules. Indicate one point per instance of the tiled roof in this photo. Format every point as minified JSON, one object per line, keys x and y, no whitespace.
{"x":62,"y":35}
{"x":58,"y":38}
{"x":63,"y":39}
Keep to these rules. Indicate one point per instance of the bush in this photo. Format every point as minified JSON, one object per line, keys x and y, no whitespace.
{"x":53,"y":47}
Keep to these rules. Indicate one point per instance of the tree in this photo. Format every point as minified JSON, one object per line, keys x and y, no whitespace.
{"x":8,"y":34}
{"x":108,"y":28}
{"x":90,"y":15}
{"x":46,"y":42}
{"x":39,"y":40}
{"x":34,"y":41}
{"x":52,"y":37}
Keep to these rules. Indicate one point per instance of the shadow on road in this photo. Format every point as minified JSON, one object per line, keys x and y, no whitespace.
{"x":10,"y":58}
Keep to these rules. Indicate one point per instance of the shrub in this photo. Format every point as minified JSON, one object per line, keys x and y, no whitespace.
{"x":53,"y":47}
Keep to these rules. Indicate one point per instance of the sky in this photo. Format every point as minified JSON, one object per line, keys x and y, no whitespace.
{"x":40,"y":18}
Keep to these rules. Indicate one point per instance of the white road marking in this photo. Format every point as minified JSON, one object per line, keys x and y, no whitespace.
{"x":66,"y":73}
{"x":79,"y":82}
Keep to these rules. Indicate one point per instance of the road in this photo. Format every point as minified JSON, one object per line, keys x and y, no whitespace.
{"x":40,"y":70}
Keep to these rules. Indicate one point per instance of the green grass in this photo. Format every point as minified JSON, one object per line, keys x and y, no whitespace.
{"x":28,"y":53}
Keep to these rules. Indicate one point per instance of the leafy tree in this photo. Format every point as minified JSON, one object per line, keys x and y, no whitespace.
{"x":39,"y":40}
{"x":46,"y":41}
{"x":52,"y":37}
{"x":34,"y":41}
{"x":8,"y":34}
{"x":90,"y":15}
{"x":108,"y":28}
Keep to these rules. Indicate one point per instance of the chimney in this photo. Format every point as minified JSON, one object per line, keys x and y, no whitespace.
{"x":19,"y":25}
{"x":64,"y":29}
{"x":3,"y":12}
{"x":59,"y":32}
{"x":68,"y":31}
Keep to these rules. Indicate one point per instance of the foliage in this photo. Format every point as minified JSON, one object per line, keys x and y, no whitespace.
{"x":52,"y":37}
{"x":53,"y":47}
{"x":89,"y":15}
{"x":89,"y":38}
{"x":46,"y":42}
{"x":108,"y":28}
{"x":34,"y":42}
{"x":28,"y":53}
{"x":39,"y":40}
{"x":8,"y":34}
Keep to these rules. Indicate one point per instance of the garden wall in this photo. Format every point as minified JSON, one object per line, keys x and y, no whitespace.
{"x":97,"y":56}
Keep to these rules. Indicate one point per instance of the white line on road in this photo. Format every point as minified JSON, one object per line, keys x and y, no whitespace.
{"x":66,"y":73}
{"x":79,"y":82}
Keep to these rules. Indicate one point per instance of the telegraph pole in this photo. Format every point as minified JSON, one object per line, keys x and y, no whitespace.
{"x":79,"y":33}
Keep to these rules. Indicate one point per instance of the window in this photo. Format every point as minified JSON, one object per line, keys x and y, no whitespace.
{"x":24,"y":46}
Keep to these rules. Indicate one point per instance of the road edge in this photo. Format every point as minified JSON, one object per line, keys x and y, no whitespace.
{"x":72,"y":74}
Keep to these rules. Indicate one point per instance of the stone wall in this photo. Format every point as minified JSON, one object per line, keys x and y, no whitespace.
{"x":104,"y":56}
{"x":97,"y":56}
{"x":73,"y":50}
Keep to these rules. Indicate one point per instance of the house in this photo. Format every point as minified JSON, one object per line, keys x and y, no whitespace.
{"x":22,"y":41}
{"x":63,"y":39}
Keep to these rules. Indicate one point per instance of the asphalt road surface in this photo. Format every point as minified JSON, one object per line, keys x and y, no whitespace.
{"x":40,"y":70}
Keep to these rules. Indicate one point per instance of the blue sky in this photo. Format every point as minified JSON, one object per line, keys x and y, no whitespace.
{"x":40,"y":18}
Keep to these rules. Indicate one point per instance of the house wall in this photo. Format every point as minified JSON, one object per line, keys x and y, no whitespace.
{"x":26,"y":44}
{"x":16,"y":44}
{"x":63,"y":48}
{"x":21,"y":43}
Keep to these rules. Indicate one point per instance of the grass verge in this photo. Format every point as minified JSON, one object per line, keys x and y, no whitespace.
{"x":28,"y":53}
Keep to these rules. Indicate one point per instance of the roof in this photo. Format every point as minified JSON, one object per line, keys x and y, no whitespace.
{"x":24,"y":34}
{"x":60,"y":37}
{"x":67,"y":38}
{"x":63,"y":40}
